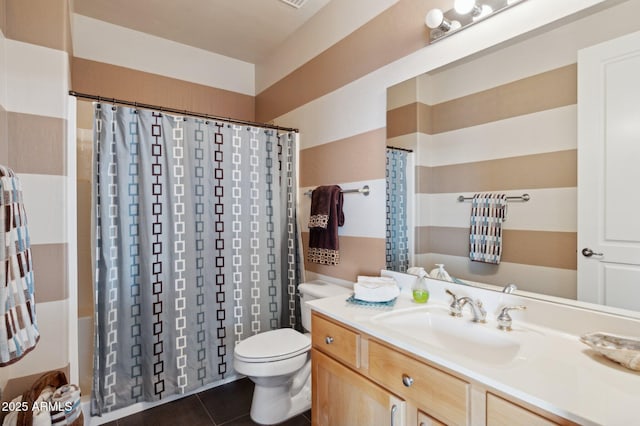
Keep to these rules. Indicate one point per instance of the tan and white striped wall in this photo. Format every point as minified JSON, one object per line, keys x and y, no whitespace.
{"x":338,"y":100}
{"x":478,"y":127}
{"x":34,"y":79}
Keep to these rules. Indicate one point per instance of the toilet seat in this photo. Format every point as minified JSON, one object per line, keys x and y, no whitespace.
{"x":273,"y":345}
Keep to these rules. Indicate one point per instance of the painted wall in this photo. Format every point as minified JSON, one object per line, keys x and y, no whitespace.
{"x":342,"y":116}
{"x":510,"y":128}
{"x":34,"y":76}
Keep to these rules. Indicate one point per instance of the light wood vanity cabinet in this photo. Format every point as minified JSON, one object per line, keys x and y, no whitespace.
{"x":435,"y":392}
{"x":425,"y":420}
{"x":342,"y":397}
{"x":357,"y":380}
{"x":501,"y":412}
{"x":337,"y":341}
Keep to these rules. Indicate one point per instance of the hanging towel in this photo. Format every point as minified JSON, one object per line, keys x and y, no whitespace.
{"x":326,"y":203}
{"x":488,"y":211}
{"x":19,"y":333}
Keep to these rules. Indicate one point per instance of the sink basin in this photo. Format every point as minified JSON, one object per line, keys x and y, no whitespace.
{"x":434,"y":326}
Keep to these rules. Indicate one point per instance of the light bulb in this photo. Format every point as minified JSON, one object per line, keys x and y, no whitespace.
{"x":463,"y":7}
{"x":485,"y":11}
{"x":435,"y":19}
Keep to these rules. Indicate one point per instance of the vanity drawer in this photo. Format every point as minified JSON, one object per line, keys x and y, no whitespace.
{"x":335,"y":340}
{"x":501,"y":412}
{"x":435,"y":392}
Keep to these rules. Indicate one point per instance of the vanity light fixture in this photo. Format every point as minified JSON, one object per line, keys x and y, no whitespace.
{"x":435,"y":20}
{"x":463,"y":14}
{"x":464,"y":7}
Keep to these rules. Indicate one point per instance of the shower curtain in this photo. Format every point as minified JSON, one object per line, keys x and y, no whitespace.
{"x":397,"y":244}
{"x":196,"y":248}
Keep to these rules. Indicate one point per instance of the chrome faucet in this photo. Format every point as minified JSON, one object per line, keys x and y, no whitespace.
{"x":457,"y":304}
{"x":479,"y":314}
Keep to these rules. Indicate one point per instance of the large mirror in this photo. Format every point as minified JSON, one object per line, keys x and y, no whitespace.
{"x":502,"y":121}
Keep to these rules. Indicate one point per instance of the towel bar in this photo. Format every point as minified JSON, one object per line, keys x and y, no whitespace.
{"x":523,"y":198}
{"x":364,"y":191}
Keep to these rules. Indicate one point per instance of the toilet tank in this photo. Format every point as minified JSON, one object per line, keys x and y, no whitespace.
{"x":313,"y":290}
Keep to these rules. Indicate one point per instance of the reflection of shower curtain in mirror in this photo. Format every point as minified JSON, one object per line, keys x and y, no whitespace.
{"x":196,"y":249}
{"x":397,"y":244}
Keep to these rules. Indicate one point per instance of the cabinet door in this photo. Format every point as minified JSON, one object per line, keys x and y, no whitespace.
{"x":342,"y":397}
{"x":425,"y":420}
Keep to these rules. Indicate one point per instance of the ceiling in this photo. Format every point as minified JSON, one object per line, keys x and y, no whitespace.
{"x":248,"y":30}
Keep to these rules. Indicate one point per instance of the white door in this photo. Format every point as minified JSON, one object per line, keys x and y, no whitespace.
{"x":609,"y":173}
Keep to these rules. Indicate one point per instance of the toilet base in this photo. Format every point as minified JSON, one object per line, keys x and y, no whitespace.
{"x":274,"y":403}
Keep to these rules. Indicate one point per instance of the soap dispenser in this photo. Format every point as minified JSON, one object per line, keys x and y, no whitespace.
{"x":419,"y":289}
{"x":439,"y":273}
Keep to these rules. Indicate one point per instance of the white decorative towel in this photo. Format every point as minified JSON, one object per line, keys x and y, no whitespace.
{"x":375,"y":289}
{"x":488,"y":211}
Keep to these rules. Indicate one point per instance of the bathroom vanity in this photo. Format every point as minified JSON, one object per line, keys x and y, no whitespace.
{"x":416,"y":365}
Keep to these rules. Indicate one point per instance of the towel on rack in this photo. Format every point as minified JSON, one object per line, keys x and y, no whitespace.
{"x":323,"y":237}
{"x":19,"y":334}
{"x":488,"y":211}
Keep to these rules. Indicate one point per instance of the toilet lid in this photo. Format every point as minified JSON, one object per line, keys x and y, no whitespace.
{"x":272,"y":345}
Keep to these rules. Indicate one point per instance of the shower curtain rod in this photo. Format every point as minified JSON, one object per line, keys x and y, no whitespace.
{"x":179,"y":112}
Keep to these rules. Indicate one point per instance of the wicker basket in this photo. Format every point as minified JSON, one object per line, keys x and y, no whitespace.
{"x":54,"y":379}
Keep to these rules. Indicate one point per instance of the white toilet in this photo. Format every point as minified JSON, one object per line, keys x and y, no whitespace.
{"x":279,"y":362}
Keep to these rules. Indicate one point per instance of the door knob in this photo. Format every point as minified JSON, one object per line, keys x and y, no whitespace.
{"x":587,"y":252}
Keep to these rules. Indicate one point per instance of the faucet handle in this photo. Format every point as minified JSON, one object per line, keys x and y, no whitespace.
{"x":509,"y":288}
{"x":504,"y":319}
{"x":482,"y":313}
{"x":455,"y":310}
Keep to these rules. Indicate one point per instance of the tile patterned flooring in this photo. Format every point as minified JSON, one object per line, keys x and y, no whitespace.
{"x":226,"y":405}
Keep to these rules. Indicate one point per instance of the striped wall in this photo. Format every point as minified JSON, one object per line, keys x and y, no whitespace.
{"x":34,"y":75}
{"x":478,"y":127}
{"x":349,"y":103}
{"x":528,"y":148}
{"x":116,"y":62}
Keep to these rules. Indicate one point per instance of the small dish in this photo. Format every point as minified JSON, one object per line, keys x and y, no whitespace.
{"x":623,"y":350}
{"x":386,"y":304}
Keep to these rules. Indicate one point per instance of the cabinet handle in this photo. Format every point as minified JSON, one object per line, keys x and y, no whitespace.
{"x":328,"y":340}
{"x":394,"y":408}
{"x":407,"y":380}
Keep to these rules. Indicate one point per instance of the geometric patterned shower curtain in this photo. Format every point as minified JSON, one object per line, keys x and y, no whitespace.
{"x":397,"y":243}
{"x":196,"y":248}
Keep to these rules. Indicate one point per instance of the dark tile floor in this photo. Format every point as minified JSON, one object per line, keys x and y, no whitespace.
{"x":226,"y":405}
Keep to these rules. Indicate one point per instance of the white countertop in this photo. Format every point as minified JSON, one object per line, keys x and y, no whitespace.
{"x":561,"y":375}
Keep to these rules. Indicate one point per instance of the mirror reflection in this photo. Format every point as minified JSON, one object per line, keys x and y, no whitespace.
{"x":503,"y":122}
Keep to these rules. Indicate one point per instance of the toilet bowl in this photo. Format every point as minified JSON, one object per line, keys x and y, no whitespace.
{"x":279,"y":363}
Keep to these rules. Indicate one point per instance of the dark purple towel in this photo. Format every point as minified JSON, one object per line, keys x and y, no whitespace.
{"x":326,"y":203}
